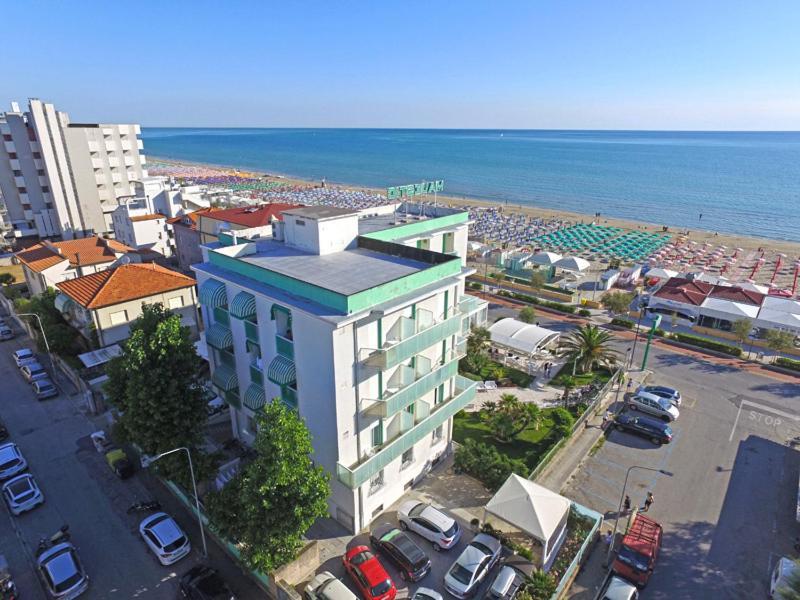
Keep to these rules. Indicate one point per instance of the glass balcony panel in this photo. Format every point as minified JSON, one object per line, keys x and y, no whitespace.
{"x":422,"y":410}
{"x":251,"y":331}
{"x":284,"y":347}
{"x":393,"y":355}
{"x":256,"y":375}
{"x":394,"y":401}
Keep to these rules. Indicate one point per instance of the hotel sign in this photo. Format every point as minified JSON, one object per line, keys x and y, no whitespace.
{"x":414,"y":189}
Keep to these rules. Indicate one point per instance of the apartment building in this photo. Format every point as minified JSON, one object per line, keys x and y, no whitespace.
{"x":187,"y":237}
{"x":62,"y":179}
{"x":343,"y":317}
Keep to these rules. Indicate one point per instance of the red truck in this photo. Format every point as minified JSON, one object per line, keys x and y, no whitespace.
{"x":636,"y":557}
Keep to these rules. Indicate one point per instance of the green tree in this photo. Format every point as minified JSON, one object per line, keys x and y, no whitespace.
{"x":509,"y":417}
{"x":155,"y":384}
{"x":779,"y":341}
{"x":588,"y":347}
{"x":527,"y":315}
{"x":569,"y":383}
{"x":6,"y":279}
{"x":617,"y":302}
{"x":538,"y":279}
{"x":476,"y":357}
{"x":562,"y":422}
{"x":791,"y":590}
{"x":271,"y":503}
{"x":61,"y":337}
{"x":741,"y":329}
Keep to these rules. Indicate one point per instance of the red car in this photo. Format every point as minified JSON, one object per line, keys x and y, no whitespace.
{"x":368,"y":574}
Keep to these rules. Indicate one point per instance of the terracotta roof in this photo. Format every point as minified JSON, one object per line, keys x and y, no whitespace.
{"x":150,"y":217}
{"x":683,"y":290}
{"x":252,"y":216}
{"x":190,"y":219}
{"x":737,"y":294}
{"x":123,"y":284}
{"x":80,"y":253}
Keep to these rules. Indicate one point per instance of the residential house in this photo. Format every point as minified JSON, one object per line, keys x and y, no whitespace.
{"x":240,"y":218}
{"x":187,"y":237}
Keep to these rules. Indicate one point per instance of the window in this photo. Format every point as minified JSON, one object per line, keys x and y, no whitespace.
{"x":300,"y":222}
{"x":376,"y":482}
{"x":6,"y":138}
{"x":40,"y":172}
{"x":120,"y":317}
{"x":438,"y":433}
{"x":407,"y":458}
{"x":176,"y":302}
{"x":45,"y":188}
{"x":17,"y":173}
{"x":250,"y":426}
{"x":377,"y":435}
{"x":37,"y":155}
{"x":22,"y":190}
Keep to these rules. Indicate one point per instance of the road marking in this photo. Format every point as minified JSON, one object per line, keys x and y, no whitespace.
{"x":761,"y":408}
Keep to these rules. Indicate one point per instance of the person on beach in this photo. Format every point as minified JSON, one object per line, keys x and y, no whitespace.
{"x":626,"y":506}
{"x":648,"y":502}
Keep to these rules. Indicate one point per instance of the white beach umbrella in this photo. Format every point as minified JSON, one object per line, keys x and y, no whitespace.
{"x":661,"y":273}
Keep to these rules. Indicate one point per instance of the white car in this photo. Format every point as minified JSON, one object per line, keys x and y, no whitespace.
{"x":11,"y":461}
{"x":165,"y":538}
{"x":23,"y":355}
{"x":619,"y":589}
{"x":429,"y":522}
{"x":669,"y":393}
{"x":61,"y":572}
{"x":655,"y":405}
{"x":22,"y":494}
{"x":326,"y":587}
{"x":33,"y":371}
{"x":472,"y":566}
{"x":424,"y":593}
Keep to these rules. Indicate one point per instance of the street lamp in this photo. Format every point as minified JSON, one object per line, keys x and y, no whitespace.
{"x":149,"y":460}
{"x":44,"y":337}
{"x":621,"y":499}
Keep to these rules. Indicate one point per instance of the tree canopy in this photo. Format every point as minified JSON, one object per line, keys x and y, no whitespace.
{"x":527,"y":315}
{"x":741,"y":329}
{"x":617,"y":302}
{"x":61,"y":337}
{"x":538,"y":279}
{"x":588,"y":347}
{"x":274,"y":499}
{"x":509,"y":417}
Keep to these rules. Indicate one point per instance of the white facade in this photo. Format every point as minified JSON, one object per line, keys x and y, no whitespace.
{"x":375,"y":379}
{"x":143,"y":230}
{"x":62,"y":179}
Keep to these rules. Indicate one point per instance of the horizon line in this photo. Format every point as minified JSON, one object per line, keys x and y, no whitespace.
{"x":500,"y":129}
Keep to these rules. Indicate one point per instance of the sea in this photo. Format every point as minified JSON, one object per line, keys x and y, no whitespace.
{"x":745,"y":183}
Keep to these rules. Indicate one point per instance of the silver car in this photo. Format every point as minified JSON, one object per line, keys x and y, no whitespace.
{"x":62,"y":572}
{"x":472,"y":566}
{"x":663,"y":391}
{"x":424,"y":593}
{"x":619,"y":589}
{"x":23,"y":356}
{"x":165,"y":538}
{"x":11,"y":461}
{"x":22,"y":494}
{"x":429,"y":522}
{"x":326,"y":587}
{"x":655,"y":405}
{"x":33,"y":371}
{"x":44,"y":388}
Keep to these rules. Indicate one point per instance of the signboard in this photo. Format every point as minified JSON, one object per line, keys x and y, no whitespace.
{"x":414,"y":189}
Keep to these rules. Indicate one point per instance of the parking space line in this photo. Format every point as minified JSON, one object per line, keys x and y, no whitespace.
{"x":612,"y":503}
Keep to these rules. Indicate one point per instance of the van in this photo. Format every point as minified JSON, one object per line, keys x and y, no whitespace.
{"x":654,"y":405}
{"x":637,"y":555}
{"x":780,"y":576}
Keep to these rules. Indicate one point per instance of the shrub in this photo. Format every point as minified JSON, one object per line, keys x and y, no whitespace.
{"x":660,"y":333}
{"x":788,"y":363}
{"x":562,"y":422}
{"x":585,"y":312}
{"x":622,"y":322}
{"x":486,"y":464}
{"x":474,"y":285}
{"x":527,"y":315}
{"x":701,"y":342}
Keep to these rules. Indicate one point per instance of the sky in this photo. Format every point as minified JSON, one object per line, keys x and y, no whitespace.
{"x":537,"y":64}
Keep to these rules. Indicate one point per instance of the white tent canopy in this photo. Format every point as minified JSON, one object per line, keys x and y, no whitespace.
{"x":752,"y":287}
{"x":573,"y":263}
{"x":728,"y":310}
{"x":786,"y":305}
{"x":661,"y":273}
{"x":521,"y":337}
{"x":545,"y":258}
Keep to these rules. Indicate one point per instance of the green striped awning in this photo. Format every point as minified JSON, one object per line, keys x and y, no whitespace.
{"x":225,"y":378}
{"x":255,"y":397}
{"x":219,"y":336}
{"x":212,"y":293}
{"x":243,"y":306}
{"x":63,"y":303}
{"x":281,"y":371}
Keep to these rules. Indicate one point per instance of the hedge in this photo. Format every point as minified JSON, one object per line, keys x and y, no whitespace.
{"x":565,"y":308}
{"x":621,"y":322}
{"x":788,"y":363}
{"x":585,"y":312}
{"x":486,"y":464}
{"x":702,"y":342}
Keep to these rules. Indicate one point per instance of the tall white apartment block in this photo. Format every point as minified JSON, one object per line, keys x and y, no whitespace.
{"x":358,"y":323}
{"x":62,"y":179}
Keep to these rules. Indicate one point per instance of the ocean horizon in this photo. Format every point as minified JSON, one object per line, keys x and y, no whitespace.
{"x":745,"y":183}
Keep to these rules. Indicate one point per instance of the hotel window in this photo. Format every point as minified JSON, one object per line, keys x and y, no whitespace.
{"x":118,"y":318}
{"x":176,"y":302}
{"x":376,"y":482}
{"x":17,"y":173}
{"x":407,"y":459}
{"x":438,"y":433}
{"x":377,"y":435}
{"x":37,"y":155}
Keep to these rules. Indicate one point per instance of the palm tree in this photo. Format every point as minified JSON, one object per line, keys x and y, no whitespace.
{"x":588,"y":347}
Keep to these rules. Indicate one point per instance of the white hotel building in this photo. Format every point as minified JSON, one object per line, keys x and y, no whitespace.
{"x":356,"y":321}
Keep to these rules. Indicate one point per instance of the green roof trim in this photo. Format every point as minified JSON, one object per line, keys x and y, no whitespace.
{"x":418,"y":227}
{"x":225,"y":378}
{"x":281,"y":371}
{"x":243,"y":306}
{"x":212,"y":293}
{"x":255,"y":398}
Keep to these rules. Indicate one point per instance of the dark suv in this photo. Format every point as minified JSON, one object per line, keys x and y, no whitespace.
{"x":656,"y":430}
{"x":398,"y":547}
{"x":204,"y":583}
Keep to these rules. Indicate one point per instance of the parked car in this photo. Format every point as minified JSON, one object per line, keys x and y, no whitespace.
{"x":204,"y":583}
{"x":11,"y":461}
{"x":637,"y":556}
{"x":22,"y":494}
{"x":663,"y":391}
{"x":33,"y":371}
{"x":368,"y":574}
{"x":44,"y":388}
{"x":62,"y":572}
{"x":655,"y":405}
{"x":164,"y":538}
{"x":119,"y":463}
{"x":656,"y":430}
{"x":472,"y":566}
{"x":23,"y":356}
{"x":782,"y":574}
{"x":400,"y":549}
{"x":326,"y":587}
{"x":619,"y":589}
{"x":6,"y":333}
{"x":509,"y":579}
{"x":424,"y":593}
{"x":429,"y":522}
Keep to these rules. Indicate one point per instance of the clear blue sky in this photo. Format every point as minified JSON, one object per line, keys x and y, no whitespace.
{"x":603,"y":64}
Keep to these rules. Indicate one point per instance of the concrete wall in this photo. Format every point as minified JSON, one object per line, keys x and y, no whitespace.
{"x":187,"y":246}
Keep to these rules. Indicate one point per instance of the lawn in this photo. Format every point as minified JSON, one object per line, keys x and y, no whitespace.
{"x":529,"y":446}
{"x":600,"y":375}
{"x":15,"y":270}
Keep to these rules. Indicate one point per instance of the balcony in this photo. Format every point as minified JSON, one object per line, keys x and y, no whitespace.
{"x":94,"y":147}
{"x":116,"y":177}
{"x":126,"y":145}
{"x":100,"y":178}
{"x":129,"y":161}
{"x":113,"y":161}
{"x":15,"y":166}
{"x":107,"y":131}
{"x":110,"y":146}
{"x":361,"y":472}
{"x":289,"y":396}
{"x":251,"y":331}
{"x":38,"y":163}
{"x":414,"y":340}
{"x":19,"y":182}
{"x":391,"y":403}
{"x":284,"y":346}
{"x":10,"y":146}
{"x":256,"y":375}
{"x":140,"y":144}
{"x":97,"y":163}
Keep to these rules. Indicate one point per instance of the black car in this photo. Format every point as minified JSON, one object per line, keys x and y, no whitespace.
{"x":204,"y":583}
{"x":655,"y":429}
{"x":399,"y":548}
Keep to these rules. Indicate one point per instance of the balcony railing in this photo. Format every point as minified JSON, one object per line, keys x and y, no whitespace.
{"x":395,"y":352}
{"x":361,"y":472}
{"x":284,"y":346}
{"x":251,"y":331}
{"x":256,"y":375}
{"x":392,"y":403}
